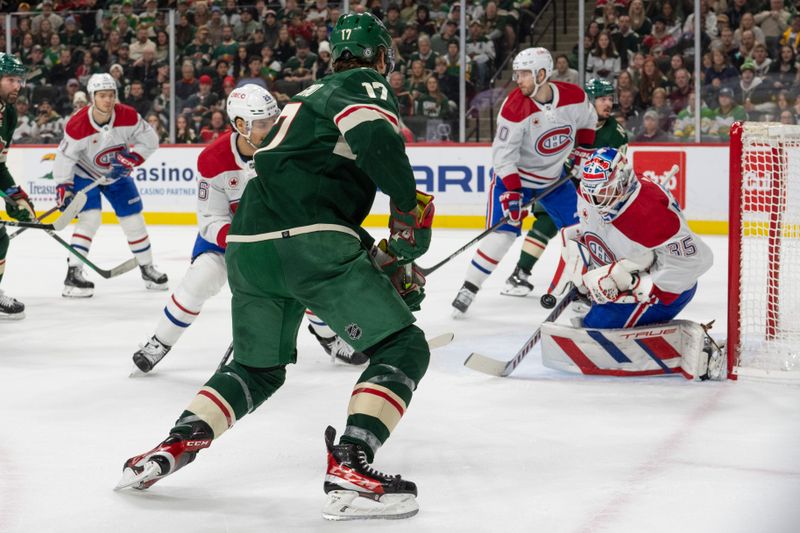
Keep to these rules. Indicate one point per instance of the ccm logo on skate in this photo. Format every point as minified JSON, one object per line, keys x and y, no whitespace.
{"x":197,"y":443}
{"x":555,"y":140}
{"x":652,"y":333}
{"x":104,"y":158}
{"x":598,"y":249}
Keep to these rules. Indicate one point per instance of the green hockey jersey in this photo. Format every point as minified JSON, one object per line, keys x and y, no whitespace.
{"x":333,"y":145}
{"x":8,"y":123}
{"x":610,"y":134}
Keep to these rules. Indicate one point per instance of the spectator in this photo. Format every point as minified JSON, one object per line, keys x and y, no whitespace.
{"x":726,"y":114}
{"x":123,"y":58}
{"x":676,"y":62}
{"x":86,"y":68}
{"x":405,"y":103}
{"x":202,"y":14}
{"x":125,"y":32}
{"x":48,"y":125}
{"x":102,"y":31}
{"x":760,"y":60}
{"x":727,"y":44}
{"x":137,"y":98}
{"x":756,"y":96}
{"x":783,"y":102}
{"x":323,"y":66}
{"x":299,"y":27}
{"x":228,"y":85}
{"x":128,"y":15}
{"x":240,"y":62}
{"x":204,"y":99}
{"x":52,"y":51}
{"x":791,"y":37}
{"x":563,"y":72}
{"x":150,"y":15}
{"x":773,"y":22}
{"x":481,"y":51}
{"x":635,"y":68}
{"x":433,"y":103}
{"x":162,"y":45}
{"x":271,"y":27}
{"x":230,"y":15}
{"x":679,"y":97}
{"x":440,"y":41}
{"x":608,"y":17}
{"x":158,"y":127}
{"x":254,"y":73}
{"x":746,"y":48}
{"x":498,"y":30}
{"x":63,"y":69}
{"x":318,"y":12}
{"x":787,"y":117}
{"x":79,"y":101}
{"x":659,"y":37}
{"x":783,"y":71}
{"x":246,"y":25}
{"x":425,"y":53}
{"x":37,"y":70}
{"x":227,"y":48}
{"x":662,"y":106}
{"x":708,"y":20}
{"x":118,"y":73}
{"x":625,"y":81}
{"x":650,"y":132}
{"x":271,"y":69}
{"x":63,"y":101}
{"x":736,"y":11}
{"x":448,"y":83}
{"x":627,"y":107}
{"x":626,"y":41}
{"x":72,"y":36}
{"x":748,"y":23}
{"x":218,"y":126}
{"x":671,"y":20}
{"x":394,"y":24}
{"x":24,"y":134}
{"x":145,"y":70}
{"x":320,"y":35}
{"x":298,"y":70}
{"x":684,"y":126}
{"x":408,"y":42}
{"x":604,"y":61}
{"x":425,"y":25}
{"x":639,"y":21}
{"x":417,"y":79}
{"x":184,"y":31}
{"x":651,"y":80}
{"x":187,"y":85}
{"x":161,"y":103}
{"x":721,"y":74}
{"x":47,"y":14}
{"x":284,"y":47}
{"x":408,"y":10}
{"x":45,"y":33}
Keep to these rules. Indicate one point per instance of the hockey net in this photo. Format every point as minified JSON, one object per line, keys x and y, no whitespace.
{"x":764,"y":251}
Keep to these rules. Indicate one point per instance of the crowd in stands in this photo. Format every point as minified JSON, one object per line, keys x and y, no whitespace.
{"x":749,"y":68}
{"x":282,"y":45}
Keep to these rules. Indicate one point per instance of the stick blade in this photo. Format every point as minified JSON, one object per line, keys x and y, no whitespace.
{"x":440,"y":341}
{"x":485,"y":364}
{"x":71,"y":211}
{"x":127,"y":266}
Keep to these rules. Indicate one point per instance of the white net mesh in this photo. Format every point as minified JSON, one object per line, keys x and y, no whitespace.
{"x":770,"y":249}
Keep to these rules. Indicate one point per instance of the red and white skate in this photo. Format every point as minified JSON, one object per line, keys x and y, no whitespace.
{"x":142,"y":471}
{"x":356,"y":491}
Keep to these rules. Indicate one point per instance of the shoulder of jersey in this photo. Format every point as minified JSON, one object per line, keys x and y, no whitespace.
{"x":517,"y":107}
{"x":125,"y":115}
{"x":648,"y":220}
{"x":569,"y":93}
{"x":217,"y":158}
{"x":79,"y":127}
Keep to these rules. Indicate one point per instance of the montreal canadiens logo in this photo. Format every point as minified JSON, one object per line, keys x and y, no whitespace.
{"x":106,"y":157}
{"x":598,"y":250}
{"x":555,"y":140}
{"x":595,"y":174}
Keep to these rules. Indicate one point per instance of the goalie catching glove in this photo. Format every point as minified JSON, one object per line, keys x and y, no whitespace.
{"x":406,"y":278}
{"x":619,"y":282}
{"x":18,"y":205}
{"x":410,"y":231}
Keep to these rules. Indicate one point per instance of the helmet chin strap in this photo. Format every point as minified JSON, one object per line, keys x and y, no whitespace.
{"x":245,"y":137}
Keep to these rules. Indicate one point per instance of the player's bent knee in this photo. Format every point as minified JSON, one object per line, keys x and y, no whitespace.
{"x":89,"y":219}
{"x":406,"y":350}
{"x":206,"y":276}
{"x":251,"y":386}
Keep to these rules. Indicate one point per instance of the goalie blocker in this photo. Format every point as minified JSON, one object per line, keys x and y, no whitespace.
{"x":677,"y":347}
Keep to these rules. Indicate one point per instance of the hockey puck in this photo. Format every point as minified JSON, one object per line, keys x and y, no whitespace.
{"x":548,"y":301}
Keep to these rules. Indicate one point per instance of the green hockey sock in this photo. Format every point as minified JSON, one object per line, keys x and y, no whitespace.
{"x":3,"y":250}
{"x":536,"y":241}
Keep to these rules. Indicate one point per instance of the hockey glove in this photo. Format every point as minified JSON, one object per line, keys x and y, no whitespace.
{"x":618,"y":283}
{"x":21,"y":208}
{"x":511,"y":201}
{"x":410,"y":231}
{"x":128,"y":159}
{"x":64,"y":193}
{"x":407,"y":280}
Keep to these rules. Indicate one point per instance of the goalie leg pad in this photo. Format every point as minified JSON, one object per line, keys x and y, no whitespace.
{"x":672,"y":348}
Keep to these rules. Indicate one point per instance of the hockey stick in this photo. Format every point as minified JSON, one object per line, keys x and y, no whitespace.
{"x":433,"y":343}
{"x":40,"y":218}
{"x":71,"y":211}
{"x":491,"y":366}
{"x":547,"y":190}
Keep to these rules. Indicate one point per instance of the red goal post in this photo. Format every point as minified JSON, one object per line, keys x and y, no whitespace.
{"x":764,"y":251}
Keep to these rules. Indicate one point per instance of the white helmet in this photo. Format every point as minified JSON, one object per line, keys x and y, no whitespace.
{"x":534,"y":59}
{"x":250,"y":102}
{"x":100,"y":82}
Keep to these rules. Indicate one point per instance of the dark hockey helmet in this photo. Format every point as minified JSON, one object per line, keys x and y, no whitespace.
{"x":596,"y":87}
{"x":11,"y":66}
{"x":361,"y":35}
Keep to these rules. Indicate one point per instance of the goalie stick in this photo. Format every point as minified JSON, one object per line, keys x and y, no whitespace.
{"x":433,"y":343}
{"x":71,"y":211}
{"x":488,"y":365}
{"x":547,"y":190}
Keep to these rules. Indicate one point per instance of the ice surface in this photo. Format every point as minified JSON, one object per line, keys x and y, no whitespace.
{"x":537,"y":452}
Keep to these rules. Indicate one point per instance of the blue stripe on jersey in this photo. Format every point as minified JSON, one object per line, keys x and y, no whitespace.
{"x":142,"y":250}
{"x":316,"y":322}
{"x":175,"y":320}
{"x":653,"y":356}
{"x":608,"y":346}
{"x":79,"y":247}
{"x":476,"y":265}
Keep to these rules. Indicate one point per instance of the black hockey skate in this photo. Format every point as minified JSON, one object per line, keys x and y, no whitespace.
{"x":464,"y":298}
{"x":153,"y":279}
{"x":150,"y":354}
{"x":517,"y":283}
{"x":356,"y":491}
{"x":75,"y":285}
{"x":337,"y":348}
{"x":177,"y":451}
{"x":11,"y":308}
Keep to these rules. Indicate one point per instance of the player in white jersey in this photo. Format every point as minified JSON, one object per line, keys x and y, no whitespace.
{"x":540,"y":124}
{"x":105,"y":141}
{"x":225,"y":167}
{"x":644,"y":261}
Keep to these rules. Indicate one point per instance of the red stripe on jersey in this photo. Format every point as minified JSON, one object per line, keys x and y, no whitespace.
{"x":79,"y":236}
{"x":353,"y":109}
{"x":588,"y":367}
{"x":140,"y":240}
{"x":381,"y":394}
{"x":182,"y":308}
{"x":652,"y":206}
{"x":636,"y":315}
{"x":663,"y":296}
{"x":222,"y":236}
{"x":487,"y":258}
{"x":219,"y":405}
{"x":660,"y":348}
{"x":517,"y":107}
{"x":533,"y":242}
{"x":585,"y":137}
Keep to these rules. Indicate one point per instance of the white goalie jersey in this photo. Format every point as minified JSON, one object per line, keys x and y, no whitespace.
{"x":649,"y":229}
{"x":88,"y":149}
{"x":223,"y":177}
{"x":533,"y":140}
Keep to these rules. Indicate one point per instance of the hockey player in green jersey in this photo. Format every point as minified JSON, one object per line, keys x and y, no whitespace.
{"x":607,"y":133}
{"x":295,"y":242}
{"x":18,"y":205}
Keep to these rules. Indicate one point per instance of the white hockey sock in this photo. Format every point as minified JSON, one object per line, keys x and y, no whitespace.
{"x":488,"y":255}
{"x":85,"y":229}
{"x":203,"y":280}
{"x":138,"y":240}
{"x":319,"y":326}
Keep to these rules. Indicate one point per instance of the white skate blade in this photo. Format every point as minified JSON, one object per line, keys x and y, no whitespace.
{"x":153,"y":286}
{"x":76,"y":292}
{"x":457,"y":314}
{"x":136,"y":373}
{"x":348,"y":505}
{"x":515,"y":291}
{"x":12,"y":316}
{"x":131,"y":479}
{"x":440,"y":341}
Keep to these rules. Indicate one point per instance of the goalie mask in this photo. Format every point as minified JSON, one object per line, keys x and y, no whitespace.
{"x":607,"y":181}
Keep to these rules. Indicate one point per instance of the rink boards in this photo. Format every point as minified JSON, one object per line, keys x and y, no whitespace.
{"x":458,"y":175}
